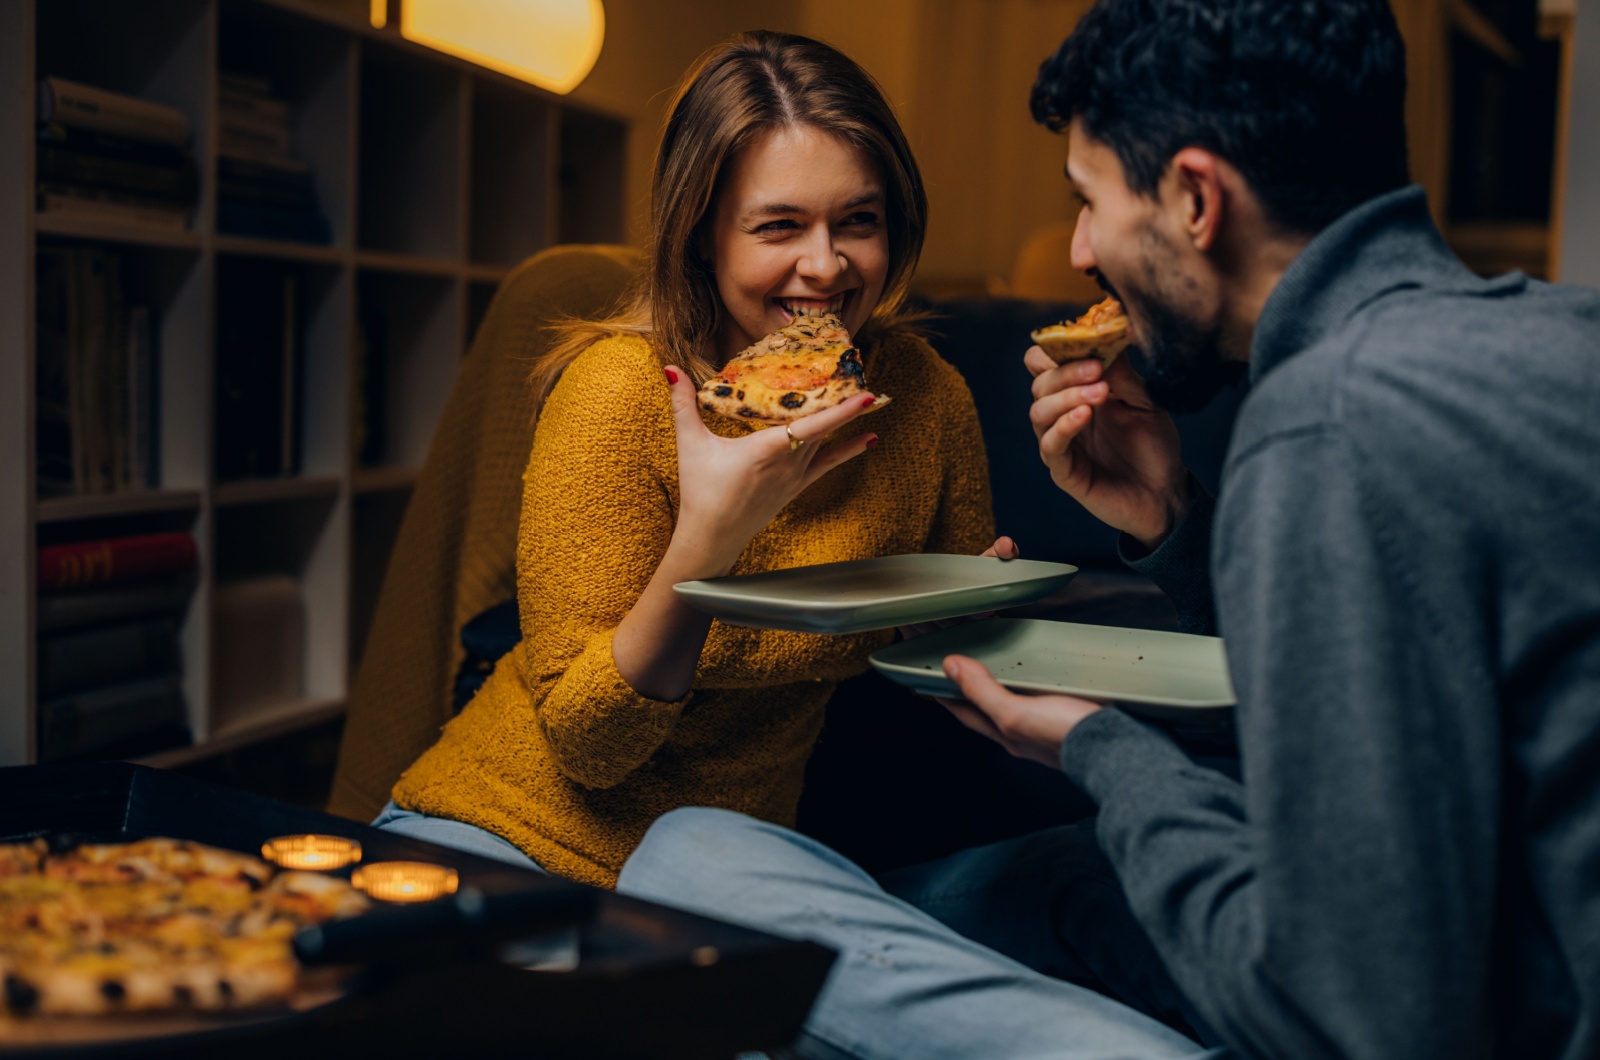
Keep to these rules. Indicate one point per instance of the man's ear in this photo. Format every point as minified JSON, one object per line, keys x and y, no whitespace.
{"x":1197,"y":195}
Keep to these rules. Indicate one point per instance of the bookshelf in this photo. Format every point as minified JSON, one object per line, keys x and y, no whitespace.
{"x":435,"y":177}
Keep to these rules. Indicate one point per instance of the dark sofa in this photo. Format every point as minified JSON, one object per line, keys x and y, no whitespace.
{"x":895,"y":779}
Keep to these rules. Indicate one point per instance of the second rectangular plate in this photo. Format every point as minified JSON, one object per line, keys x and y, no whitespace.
{"x":1169,"y":676}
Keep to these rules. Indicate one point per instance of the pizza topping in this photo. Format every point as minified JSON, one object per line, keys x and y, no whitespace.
{"x":1100,"y":332}
{"x":804,"y":367}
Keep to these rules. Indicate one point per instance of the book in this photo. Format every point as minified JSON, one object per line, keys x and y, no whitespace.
{"x":117,"y":603}
{"x":251,"y":139}
{"x":62,"y":165}
{"x":104,"y":655}
{"x":115,"y":560}
{"x":96,"y":376}
{"x":110,"y":145}
{"x":119,"y":721}
{"x":84,"y":106}
{"x":67,"y":200}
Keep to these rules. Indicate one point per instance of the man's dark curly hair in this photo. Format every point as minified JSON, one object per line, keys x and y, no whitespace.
{"x":1304,"y":97}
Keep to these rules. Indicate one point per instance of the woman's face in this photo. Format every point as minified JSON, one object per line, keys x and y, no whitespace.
{"x":798,"y":226}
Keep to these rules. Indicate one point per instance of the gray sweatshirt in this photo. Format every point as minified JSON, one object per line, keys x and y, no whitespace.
{"x":1406,"y":566}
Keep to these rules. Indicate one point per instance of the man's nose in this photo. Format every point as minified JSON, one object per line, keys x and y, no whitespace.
{"x":1082,"y":255}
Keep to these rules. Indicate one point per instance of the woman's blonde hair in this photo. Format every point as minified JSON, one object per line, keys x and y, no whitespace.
{"x":736,"y":92}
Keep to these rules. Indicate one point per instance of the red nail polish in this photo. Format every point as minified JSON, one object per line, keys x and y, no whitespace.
{"x":672,"y":375}
{"x":869,"y":399}
{"x":872,"y":441}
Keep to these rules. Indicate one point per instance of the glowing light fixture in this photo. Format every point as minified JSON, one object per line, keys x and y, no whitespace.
{"x":550,"y":43}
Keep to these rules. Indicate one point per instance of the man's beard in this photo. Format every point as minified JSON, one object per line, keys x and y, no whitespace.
{"x":1179,"y":358}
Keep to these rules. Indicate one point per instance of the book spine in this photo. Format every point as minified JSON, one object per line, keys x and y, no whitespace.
{"x":71,"y":103}
{"x":56,"y":164}
{"x":120,"y":210}
{"x":95,"y":607}
{"x":113,"y":560}
{"x":110,"y":718}
{"x":71,"y":662}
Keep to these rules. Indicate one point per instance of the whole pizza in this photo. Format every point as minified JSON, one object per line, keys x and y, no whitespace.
{"x":153,"y":925}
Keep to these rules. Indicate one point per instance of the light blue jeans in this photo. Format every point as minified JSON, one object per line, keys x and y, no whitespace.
{"x":457,"y":835}
{"x":905,"y":984}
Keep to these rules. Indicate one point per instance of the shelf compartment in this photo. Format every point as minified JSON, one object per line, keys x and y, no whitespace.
{"x":410,"y":154}
{"x":158,"y":50}
{"x":593,"y":153}
{"x":512,"y":163}
{"x":282,"y":332}
{"x":139,"y":388}
{"x":49,"y":224}
{"x":410,"y":347}
{"x":310,"y":68}
{"x":249,"y":247}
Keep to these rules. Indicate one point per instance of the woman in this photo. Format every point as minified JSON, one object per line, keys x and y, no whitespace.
{"x":782,"y":184}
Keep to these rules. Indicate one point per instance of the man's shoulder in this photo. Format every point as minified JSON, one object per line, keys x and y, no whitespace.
{"x":1464,"y":355}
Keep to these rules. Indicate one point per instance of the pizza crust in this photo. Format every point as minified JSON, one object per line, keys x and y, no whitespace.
{"x":1101,"y":332}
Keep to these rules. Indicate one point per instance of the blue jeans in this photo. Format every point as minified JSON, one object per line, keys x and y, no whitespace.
{"x":905,"y":984}
{"x":458,"y":835}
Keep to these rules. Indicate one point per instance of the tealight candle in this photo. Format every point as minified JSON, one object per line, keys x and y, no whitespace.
{"x":405,"y":881}
{"x":320,"y":852}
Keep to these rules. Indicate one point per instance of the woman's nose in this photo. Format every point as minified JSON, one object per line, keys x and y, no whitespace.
{"x":820,"y":258}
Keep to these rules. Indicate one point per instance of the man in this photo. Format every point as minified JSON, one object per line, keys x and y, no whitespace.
{"x":1405,"y":564}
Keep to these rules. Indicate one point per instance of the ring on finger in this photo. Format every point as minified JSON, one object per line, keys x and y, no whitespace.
{"x":794,"y":443}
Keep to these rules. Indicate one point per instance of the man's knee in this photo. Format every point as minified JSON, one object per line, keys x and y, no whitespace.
{"x":691,"y":845}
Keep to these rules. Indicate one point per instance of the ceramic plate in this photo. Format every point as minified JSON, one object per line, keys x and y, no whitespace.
{"x":1170,"y":676}
{"x":877,"y":593}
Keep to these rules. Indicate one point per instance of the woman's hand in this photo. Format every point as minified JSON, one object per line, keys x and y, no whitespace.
{"x":731,"y":488}
{"x":1004,"y":548}
{"x":1108,"y":446}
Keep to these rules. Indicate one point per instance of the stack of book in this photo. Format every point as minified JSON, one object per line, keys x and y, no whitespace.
{"x":111,"y":157}
{"x":262,"y":189}
{"x":95,"y":379}
{"x":109,"y":662}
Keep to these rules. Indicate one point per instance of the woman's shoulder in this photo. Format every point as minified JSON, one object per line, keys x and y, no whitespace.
{"x":618,"y":376}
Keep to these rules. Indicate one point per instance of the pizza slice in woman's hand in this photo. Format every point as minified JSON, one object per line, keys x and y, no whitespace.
{"x":804,"y":367}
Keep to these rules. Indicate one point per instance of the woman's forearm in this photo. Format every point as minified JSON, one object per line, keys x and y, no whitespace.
{"x":658,"y":643}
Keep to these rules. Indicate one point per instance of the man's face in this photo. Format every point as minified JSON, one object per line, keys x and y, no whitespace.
{"x":1139,"y":250}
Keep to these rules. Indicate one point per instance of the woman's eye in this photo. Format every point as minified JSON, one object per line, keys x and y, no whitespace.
{"x":864,"y":219}
{"x":773,"y":227}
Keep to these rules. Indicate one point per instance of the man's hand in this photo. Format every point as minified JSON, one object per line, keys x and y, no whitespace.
{"x":1107,"y":446}
{"x":1031,"y":727}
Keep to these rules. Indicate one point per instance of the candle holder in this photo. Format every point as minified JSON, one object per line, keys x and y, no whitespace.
{"x":321,"y":853}
{"x":405,"y":881}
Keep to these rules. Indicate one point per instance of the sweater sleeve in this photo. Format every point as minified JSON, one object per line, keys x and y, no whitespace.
{"x":964,"y":521}
{"x":1181,"y":565}
{"x":1326,"y":908}
{"x":597,"y":515}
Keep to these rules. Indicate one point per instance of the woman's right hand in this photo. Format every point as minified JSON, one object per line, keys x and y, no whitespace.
{"x":1108,"y":446}
{"x":731,"y":488}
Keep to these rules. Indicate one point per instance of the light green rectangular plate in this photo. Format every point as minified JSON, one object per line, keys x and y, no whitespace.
{"x":1168,"y":676}
{"x":880,"y":593}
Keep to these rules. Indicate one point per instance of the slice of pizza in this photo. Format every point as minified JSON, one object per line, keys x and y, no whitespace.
{"x":805,"y":366}
{"x":1101,"y":332}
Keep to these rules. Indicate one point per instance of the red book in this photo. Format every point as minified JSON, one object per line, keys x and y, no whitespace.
{"x":117,"y":559}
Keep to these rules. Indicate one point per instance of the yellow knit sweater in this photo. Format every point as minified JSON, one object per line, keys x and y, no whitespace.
{"x":557,"y":753}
